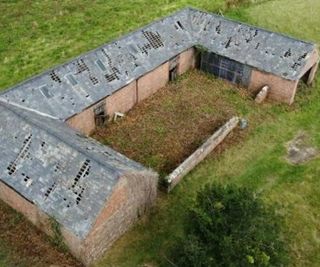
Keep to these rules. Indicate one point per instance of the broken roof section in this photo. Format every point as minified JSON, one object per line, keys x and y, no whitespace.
{"x":68,"y":89}
{"x":68,"y":176}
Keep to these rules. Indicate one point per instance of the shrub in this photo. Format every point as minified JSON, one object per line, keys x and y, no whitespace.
{"x":230,"y":226}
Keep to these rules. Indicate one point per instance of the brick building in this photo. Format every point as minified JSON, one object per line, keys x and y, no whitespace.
{"x":49,"y":170}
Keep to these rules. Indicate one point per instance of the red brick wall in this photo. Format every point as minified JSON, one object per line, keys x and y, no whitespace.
{"x":187,"y":60}
{"x":125,"y":98}
{"x":312,"y":74}
{"x":37,"y":217}
{"x":19,"y":203}
{"x":122,"y":100}
{"x":153,"y":81}
{"x":122,"y":209}
{"x":83,"y":122}
{"x":281,"y":90}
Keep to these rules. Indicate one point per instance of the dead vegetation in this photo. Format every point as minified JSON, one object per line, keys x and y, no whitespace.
{"x":166,"y":128}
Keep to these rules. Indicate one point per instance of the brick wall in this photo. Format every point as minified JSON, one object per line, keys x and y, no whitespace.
{"x":132,"y":196}
{"x":153,"y":81}
{"x":281,"y":90}
{"x":122,"y":100}
{"x":37,"y":217}
{"x":201,"y":153}
{"x":25,"y":207}
{"x":125,"y":98}
{"x":19,"y":203}
{"x":187,"y":60}
{"x":312,"y":74}
{"x":83,"y":122}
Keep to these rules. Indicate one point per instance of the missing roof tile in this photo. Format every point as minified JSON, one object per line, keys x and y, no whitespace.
{"x":154,"y":38}
{"x":180,"y":25}
{"x":45,"y":91}
{"x":94,"y":80}
{"x":83,"y":172}
{"x":55,"y":77}
{"x":71,"y":79}
{"x":50,"y":190}
{"x":111,"y":77}
{"x":23,"y":154}
{"x":288,"y":53}
{"x":82,"y":66}
{"x":218,"y":28}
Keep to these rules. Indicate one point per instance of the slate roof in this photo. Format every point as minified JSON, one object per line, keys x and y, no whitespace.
{"x":67,"y":175}
{"x":69,"y":88}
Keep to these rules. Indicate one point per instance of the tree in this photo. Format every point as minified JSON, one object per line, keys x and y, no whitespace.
{"x":230,"y":226}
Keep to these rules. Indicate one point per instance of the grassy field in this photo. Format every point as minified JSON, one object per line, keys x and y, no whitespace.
{"x":38,"y":34}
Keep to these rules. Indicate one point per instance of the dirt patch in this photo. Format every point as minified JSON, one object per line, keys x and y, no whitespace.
{"x":27,"y":245}
{"x":299,"y":149}
{"x":166,"y":128}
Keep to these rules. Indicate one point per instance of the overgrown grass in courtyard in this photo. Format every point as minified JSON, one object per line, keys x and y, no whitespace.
{"x":166,"y":128}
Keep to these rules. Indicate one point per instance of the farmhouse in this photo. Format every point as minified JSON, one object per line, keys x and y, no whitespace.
{"x":53,"y":173}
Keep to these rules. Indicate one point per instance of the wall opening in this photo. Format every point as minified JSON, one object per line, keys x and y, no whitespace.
{"x":173,"y":74}
{"x":306,"y":76}
{"x":100,"y":115}
{"x":225,"y":68}
{"x":173,"y":68}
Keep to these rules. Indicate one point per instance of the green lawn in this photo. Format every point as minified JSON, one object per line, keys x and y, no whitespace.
{"x":35,"y":35}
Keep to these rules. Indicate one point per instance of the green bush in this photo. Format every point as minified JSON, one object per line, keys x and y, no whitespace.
{"x":230,"y":226}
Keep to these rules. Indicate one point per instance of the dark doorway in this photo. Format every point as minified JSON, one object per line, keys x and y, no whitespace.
{"x":100,"y":115}
{"x":305,"y":77}
{"x":173,"y":68}
{"x":225,"y":68}
{"x":173,"y":74}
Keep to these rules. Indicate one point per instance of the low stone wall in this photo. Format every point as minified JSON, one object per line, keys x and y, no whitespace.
{"x":175,"y":177}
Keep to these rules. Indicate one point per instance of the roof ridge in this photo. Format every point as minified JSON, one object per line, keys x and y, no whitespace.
{"x":134,"y":54}
{"x":55,"y":134}
{"x":3,"y":100}
{"x":112,"y":41}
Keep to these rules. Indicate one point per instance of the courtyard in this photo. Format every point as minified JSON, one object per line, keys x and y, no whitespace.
{"x":166,"y":128}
